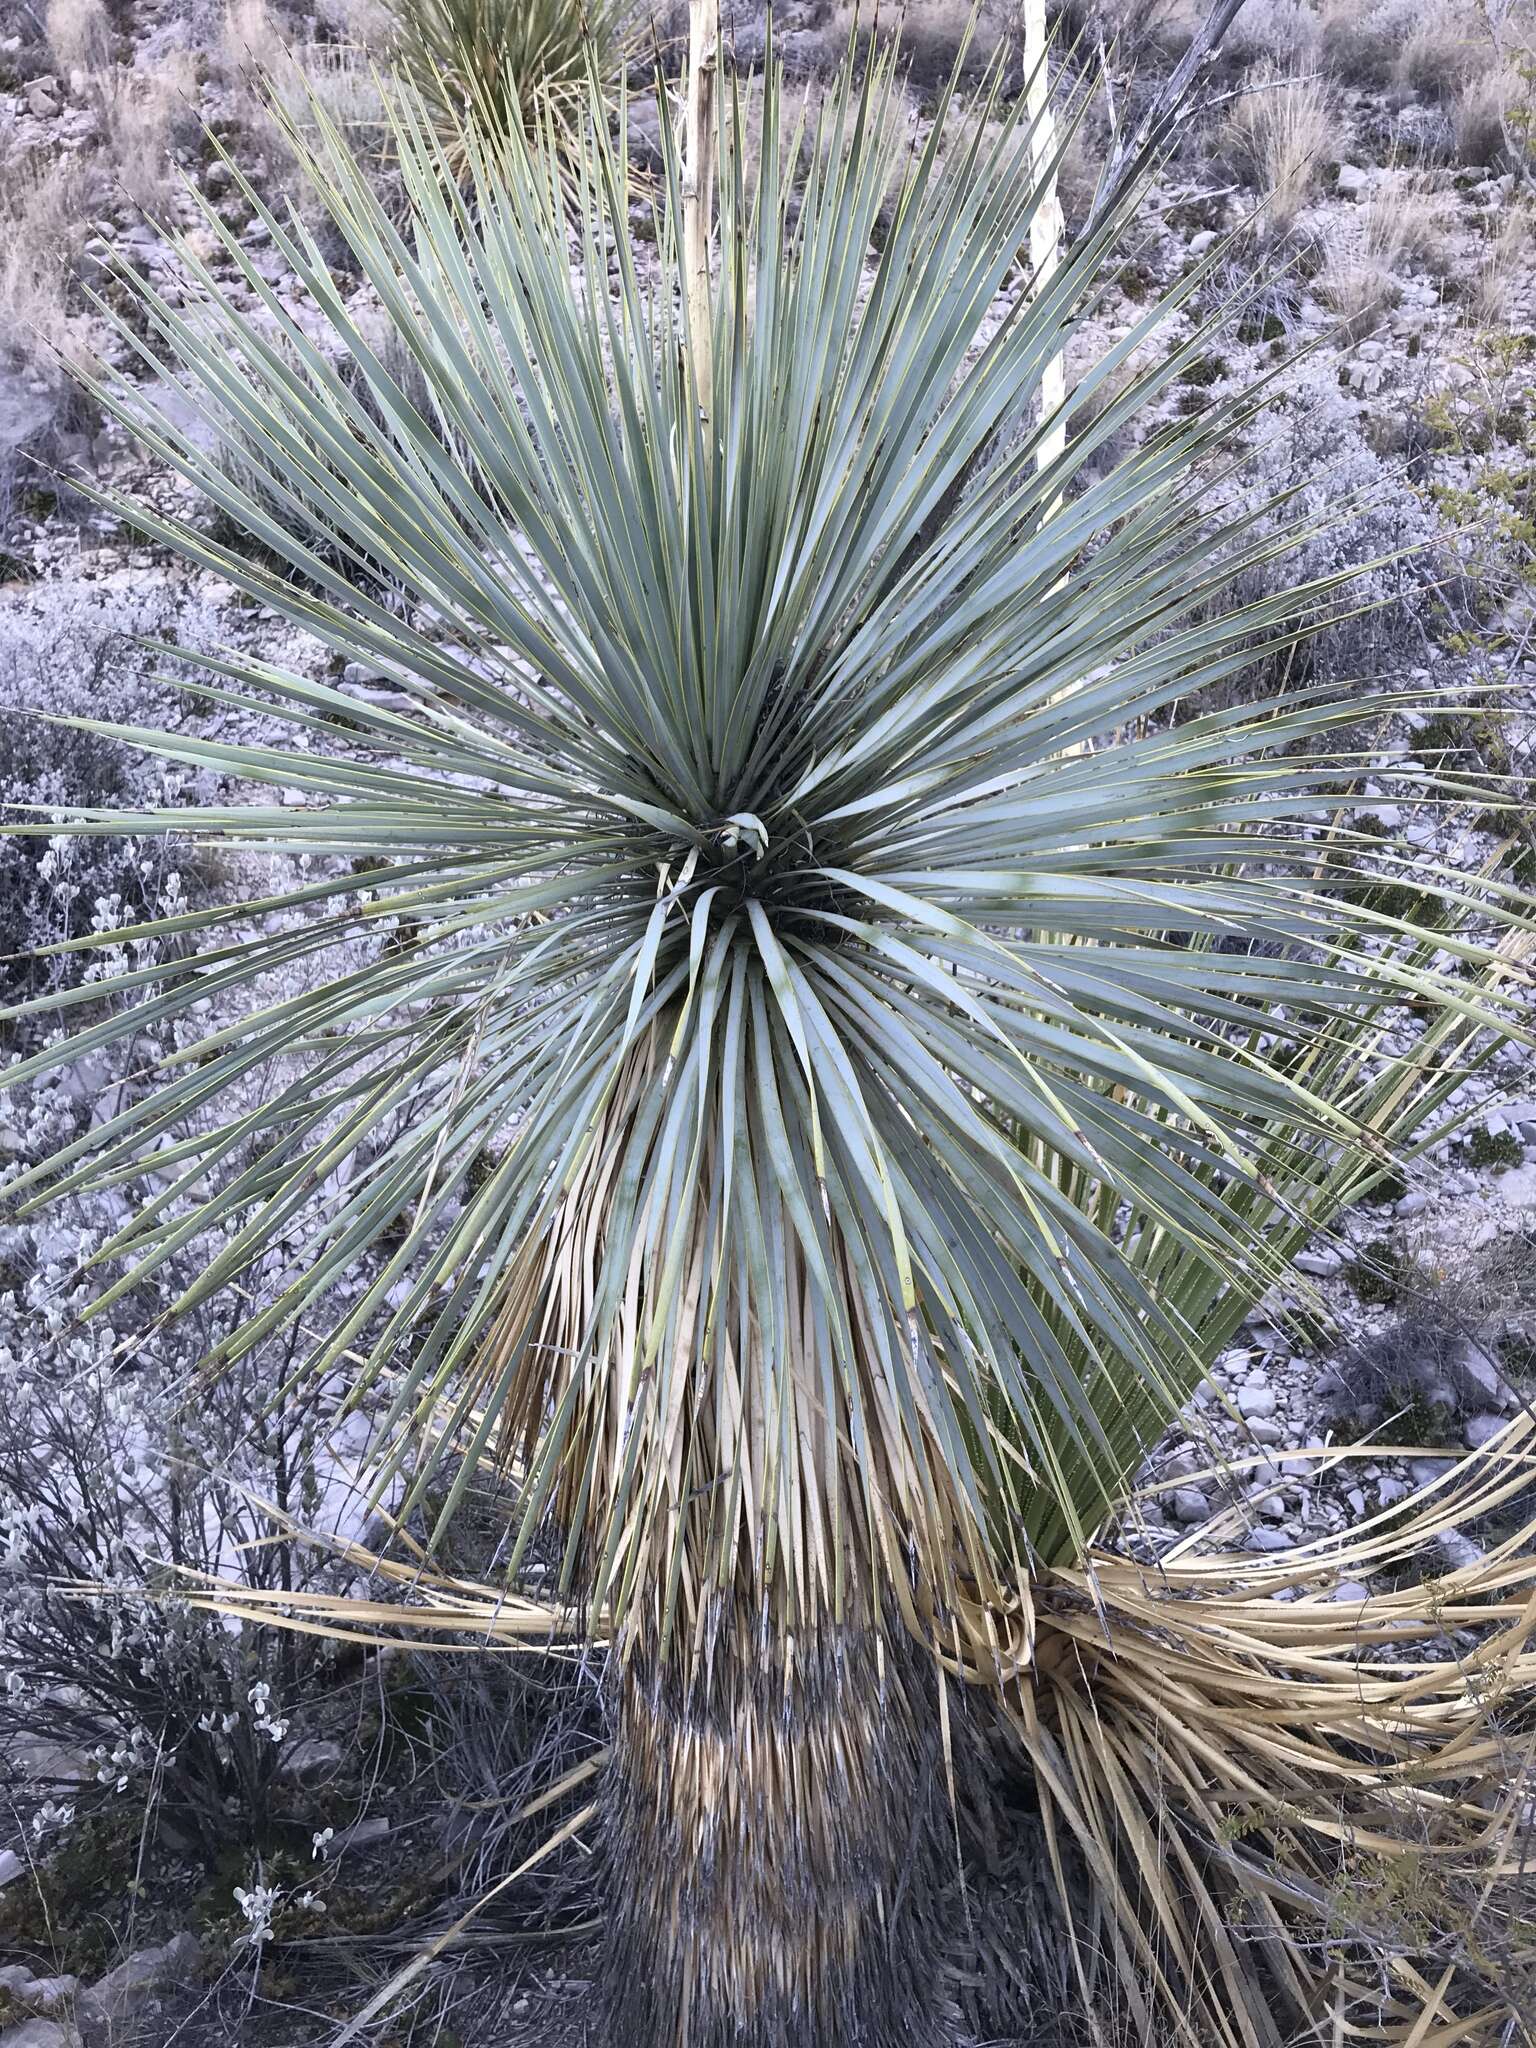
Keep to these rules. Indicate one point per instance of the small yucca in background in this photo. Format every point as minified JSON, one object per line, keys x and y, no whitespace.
{"x":508,"y":64}
{"x":901,"y":1047}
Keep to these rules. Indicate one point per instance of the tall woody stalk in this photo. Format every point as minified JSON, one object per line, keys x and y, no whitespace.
{"x":700,"y":139}
{"x":1045,"y":228}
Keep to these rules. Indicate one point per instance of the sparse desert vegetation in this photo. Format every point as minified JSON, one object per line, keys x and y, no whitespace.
{"x":768,"y":1145}
{"x":1281,"y":129}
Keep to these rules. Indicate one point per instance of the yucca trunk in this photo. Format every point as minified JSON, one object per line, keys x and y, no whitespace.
{"x":780,"y":1856}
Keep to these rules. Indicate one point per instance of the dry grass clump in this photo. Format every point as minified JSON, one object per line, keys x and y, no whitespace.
{"x":249,"y":40}
{"x":1279,"y":132}
{"x":273,"y":82}
{"x":1480,"y":64}
{"x":1359,"y":44}
{"x":1504,"y":261}
{"x":1446,"y":46}
{"x":80,"y":34}
{"x":144,"y":115}
{"x":1272,"y":31}
{"x":44,"y":219}
{"x":363,"y":23}
{"x":1399,"y":229}
{"x":141,"y":114}
{"x":1491,"y":116}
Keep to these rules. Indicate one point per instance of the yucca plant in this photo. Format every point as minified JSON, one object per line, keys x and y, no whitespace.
{"x":509,"y":64}
{"x":842,"y":1056}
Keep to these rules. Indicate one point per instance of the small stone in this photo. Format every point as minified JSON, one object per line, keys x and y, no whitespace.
{"x":1412,"y":1204}
{"x":1477,"y":1379}
{"x":1267,"y":1539}
{"x":1425,"y":1471}
{"x":1206,"y":239}
{"x":1481,"y":1429}
{"x":1356,"y":1499}
{"x":1264,"y":1432}
{"x":1319,"y":1264}
{"x":1391,"y":1491}
{"x":11,"y":1865}
{"x":1459,"y":1551}
{"x":45,"y":1995}
{"x":133,"y":1983}
{"x":41,"y":103}
{"x":41,"y":2034}
{"x":1350,"y":1591}
{"x":1253,"y":1401}
{"x":312,"y":1762}
{"x":1352,"y":181}
{"x":1190,"y":1505}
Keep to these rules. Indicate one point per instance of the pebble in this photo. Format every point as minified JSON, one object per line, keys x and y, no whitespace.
{"x":1480,"y":1429}
{"x":313,"y":1761}
{"x":41,"y":2034}
{"x":1253,"y":1401}
{"x":1459,"y":1551}
{"x":46,"y":1995}
{"x":1414,"y":1203}
{"x":1190,"y":1505}
{"x":1477,"y":1380}
{"x":1267,"y":1539}
{"x":123,"y":1991}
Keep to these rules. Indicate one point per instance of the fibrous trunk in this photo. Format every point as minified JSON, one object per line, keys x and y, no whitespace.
{"x":780,"y":1850}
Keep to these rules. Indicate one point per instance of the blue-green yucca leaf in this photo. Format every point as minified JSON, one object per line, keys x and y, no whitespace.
{"x":844,"y":1044}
